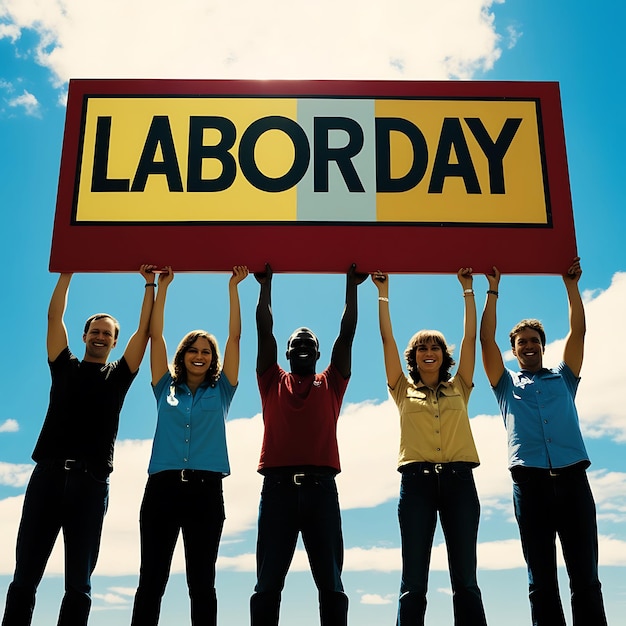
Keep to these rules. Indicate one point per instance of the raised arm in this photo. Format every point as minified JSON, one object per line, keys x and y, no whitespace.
{"x":575,"y":341}
{"x":467,"y":353}
{"x":492,"y":357}
{"x":231,"y":350}
{"x":158,"y":348}
{"x":56,"y":339}
{"x":136,"y":346}
{"x":393,"y":364}
{"x":341,"y":356}
{"x":267,"y":353}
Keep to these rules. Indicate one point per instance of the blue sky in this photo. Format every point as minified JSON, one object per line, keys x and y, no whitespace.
{"x":42,"y":45}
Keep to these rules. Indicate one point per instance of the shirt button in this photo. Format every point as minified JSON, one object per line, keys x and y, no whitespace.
{"x":187,"y":426}
{"x":438,"y":449}
{"x":549,"y":440}
{"x":545,"y":421}
{"x":185,"y":460}
{"x":436,"y":416}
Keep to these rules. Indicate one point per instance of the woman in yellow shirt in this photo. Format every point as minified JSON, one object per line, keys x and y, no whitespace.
{"x":437,"y":455}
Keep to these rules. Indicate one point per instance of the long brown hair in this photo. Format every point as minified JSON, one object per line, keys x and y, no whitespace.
{"x":215,"y":369}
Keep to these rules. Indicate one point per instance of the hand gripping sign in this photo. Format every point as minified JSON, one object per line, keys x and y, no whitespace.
{"x":312,"y":176}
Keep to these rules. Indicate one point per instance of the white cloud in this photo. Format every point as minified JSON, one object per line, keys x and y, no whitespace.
{"x":123,"y":591}
{"x":27,"y":101}
{"x":375,"y":598}
{"x":492,"y":555}
{"x":112,"y":599}
{"x":9,"y":426}
{"x":15,"y":474}
{"x":493,"y":481}
{"x":249,"y":39}
{"x":609,"y":490}
{"x":9,"y":31}
{"x":599,"y":399}
{"x":513,"y":36}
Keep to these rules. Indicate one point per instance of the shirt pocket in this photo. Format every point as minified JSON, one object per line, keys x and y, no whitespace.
{"x":554,"y":387}
{"x":451,"y":400}
{"x":415,"y":402}
{"x":210,"y":401}
{"x":416,"y":395}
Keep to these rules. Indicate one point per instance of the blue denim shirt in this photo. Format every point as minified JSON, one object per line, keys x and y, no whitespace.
{"x":191,"y":429}
{"x":541,"y":418}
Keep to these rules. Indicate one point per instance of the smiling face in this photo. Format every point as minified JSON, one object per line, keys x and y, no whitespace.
{"x":428,"y":353}
{"x":191,"y":357}
{"x":429,"y":357}
{"x":100,"y":339}
{"x":528,"y":349}
{"x":197,"y":358}
{"x":303,"y":351}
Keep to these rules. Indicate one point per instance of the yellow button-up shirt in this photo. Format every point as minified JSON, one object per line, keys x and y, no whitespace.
{"x":434,"y":424}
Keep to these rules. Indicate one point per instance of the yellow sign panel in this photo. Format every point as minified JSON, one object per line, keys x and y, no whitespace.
{"x":483,"y":184}
{"x":218,"y":159}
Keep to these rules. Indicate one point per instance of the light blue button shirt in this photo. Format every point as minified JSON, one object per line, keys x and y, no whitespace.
{"x":191,"y":429}
{"x":541,"y":418}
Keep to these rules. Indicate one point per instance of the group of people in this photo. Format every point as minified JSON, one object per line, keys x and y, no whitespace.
{"x":299,"y":461}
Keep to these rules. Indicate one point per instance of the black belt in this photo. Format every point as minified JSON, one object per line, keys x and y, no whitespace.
{"x":189,"y":475}
{"x":300,"y":478}
{"x":520,"y":471}
{"x":423,"y":467}
{"x":65,"y":464}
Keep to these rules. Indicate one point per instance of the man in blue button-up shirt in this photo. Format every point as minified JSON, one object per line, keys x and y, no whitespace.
{"x":547,"y":458}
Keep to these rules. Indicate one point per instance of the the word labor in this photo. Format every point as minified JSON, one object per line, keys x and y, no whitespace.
{"x":452,"y":155}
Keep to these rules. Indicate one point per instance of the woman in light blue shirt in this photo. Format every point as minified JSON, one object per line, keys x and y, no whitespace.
{"x":189,"y":459}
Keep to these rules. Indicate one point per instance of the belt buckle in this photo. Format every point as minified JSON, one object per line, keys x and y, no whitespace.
{"x":182,"y":477}
{"x":552,"y":473}
{"x":65,"y":464}
{"x":296,"y":478}
{"x":438,"y":468}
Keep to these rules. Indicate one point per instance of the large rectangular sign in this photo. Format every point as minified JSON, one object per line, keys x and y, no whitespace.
{"x":312,"y":176}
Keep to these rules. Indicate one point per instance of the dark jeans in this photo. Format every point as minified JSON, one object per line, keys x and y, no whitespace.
{"x":72,"y":500}
{"x":448,"y":489}
{"x":195,"y":506}
{"x":544,"y":506}
{"x":286,"y":509}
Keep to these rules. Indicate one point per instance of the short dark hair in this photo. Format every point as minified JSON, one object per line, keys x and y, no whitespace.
{"x":531,"y":323}
{"x":424,"y":336}
{"x":303,"y":329}
{"x":99,"y":316}
{"x":213,"y":373}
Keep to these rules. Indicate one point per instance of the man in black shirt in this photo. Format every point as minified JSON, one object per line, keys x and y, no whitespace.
{"x":69,"y":486}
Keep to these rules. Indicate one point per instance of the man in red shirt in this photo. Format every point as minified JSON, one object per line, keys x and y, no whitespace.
{"x":300,"y":459}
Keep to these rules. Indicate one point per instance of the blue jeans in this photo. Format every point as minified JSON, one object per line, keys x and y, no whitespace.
{"x":286,"y":509}
{"x":448,"y":489}
{"x":195,"y":506}
{"x":544,"y":506}
{"x":72,"y":500}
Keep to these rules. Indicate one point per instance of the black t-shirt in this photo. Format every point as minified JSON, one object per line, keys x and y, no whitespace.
{"x":83,"y":414}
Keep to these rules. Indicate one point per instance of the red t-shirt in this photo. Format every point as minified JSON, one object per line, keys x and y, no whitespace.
{"x":300,"y":415}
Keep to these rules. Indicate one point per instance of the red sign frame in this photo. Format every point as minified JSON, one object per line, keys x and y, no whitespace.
{"x":320,"y":247}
